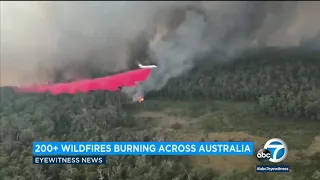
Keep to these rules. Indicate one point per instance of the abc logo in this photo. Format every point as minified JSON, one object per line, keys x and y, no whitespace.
{"x":263,"y":155}
{"x":275,"y":150}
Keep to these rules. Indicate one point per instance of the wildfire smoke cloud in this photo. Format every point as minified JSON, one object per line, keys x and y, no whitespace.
{"x":73,"y":37}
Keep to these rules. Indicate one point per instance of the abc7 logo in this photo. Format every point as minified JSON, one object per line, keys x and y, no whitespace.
{"x":275,"y":150}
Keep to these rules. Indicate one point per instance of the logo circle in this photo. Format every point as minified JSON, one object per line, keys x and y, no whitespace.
{"x":263,"y":155}
{"x":277,"y":148}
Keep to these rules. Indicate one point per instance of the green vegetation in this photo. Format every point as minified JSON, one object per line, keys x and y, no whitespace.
{"x":284,"y":83}
{"x":275,"y":94}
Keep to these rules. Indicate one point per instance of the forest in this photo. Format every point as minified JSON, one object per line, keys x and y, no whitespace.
{"x":281,"y":83}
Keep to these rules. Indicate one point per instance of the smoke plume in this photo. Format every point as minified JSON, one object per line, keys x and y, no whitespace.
{"x":109,"y":36}
{"x":224,"y":31}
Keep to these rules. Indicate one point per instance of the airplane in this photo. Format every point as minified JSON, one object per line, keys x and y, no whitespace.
{"x":147,"y":66}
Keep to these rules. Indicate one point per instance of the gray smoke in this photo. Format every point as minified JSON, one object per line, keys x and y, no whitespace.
{"x":226,"y":31}
{"x":174,"y":56}
{"x":42,"y":34}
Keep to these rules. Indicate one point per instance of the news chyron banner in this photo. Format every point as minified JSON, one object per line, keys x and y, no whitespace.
{"x":274,"y":151}
{"x":96,"y":152}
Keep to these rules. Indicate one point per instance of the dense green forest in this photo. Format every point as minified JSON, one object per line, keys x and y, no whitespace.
{"x":279,"y":82}
{"x":282,"y":82}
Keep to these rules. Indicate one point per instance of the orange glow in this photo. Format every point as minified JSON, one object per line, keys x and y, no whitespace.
{"x":140,"y":99}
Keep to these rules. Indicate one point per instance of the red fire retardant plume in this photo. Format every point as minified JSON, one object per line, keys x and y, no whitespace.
{"x":108,"y":83}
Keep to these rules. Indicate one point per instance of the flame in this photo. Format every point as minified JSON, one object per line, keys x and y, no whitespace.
{"x":140,"y":99}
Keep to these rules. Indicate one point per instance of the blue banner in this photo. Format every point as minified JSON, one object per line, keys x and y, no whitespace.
{"x":69,"y":159}
{"x":143,"y":148}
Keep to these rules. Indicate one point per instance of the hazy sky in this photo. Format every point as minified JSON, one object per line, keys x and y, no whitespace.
{"x":36,"y":34}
